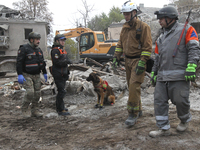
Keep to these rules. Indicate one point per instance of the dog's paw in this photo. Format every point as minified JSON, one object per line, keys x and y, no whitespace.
{"x":96,"y":106}
{"x":101,"y":107}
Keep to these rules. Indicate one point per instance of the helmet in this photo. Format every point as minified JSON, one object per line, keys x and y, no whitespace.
{"x":168,"y":11}
{"x":60,"y":36}
{"x":128,"y":7}
{"x":34,"y":35}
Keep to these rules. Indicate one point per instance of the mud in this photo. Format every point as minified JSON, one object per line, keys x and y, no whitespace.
{"x":91,"y":129}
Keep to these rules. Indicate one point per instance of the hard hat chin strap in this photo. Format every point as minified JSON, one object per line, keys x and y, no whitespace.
{"x":167,"y":22}
{"x":132,"y":17}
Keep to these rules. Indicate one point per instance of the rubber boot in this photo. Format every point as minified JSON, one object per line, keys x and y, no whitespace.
{"x":25,"y":111}
{"x":64,"y":113}
{"x":132,"y":119}
{"x":36,"y":113}
{"x":182,"y":126}
{"x":35,"y":110}
{"x":159,"y":133}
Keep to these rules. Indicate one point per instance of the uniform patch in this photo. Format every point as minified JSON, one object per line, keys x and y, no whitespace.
{"x":29,"y":57}
{"x":19,"y":51}
{"x":193,"y":34}
{"x":56,"y":56}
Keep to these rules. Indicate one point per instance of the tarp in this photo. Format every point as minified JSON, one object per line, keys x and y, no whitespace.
{"x":4,"y":26}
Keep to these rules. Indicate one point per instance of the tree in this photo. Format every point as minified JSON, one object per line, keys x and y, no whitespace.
{"x":85,"y":12}
{"x":36,"y":9}
{"x":72,"y":49}
{"x":99,"y":22}
{"x":102,"y":21}
{"x":115,"y":14}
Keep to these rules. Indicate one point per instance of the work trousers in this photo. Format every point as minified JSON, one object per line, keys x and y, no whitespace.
{"x":60,"y":84}
{"x":178,"y":93}
{"x":134,"y":84}
{"x":32,"y":86}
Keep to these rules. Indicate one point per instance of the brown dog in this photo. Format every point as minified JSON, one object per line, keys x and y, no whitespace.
{"x":103,"y":90}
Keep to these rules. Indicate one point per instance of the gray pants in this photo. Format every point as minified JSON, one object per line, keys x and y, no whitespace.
{"x":178,"y":93}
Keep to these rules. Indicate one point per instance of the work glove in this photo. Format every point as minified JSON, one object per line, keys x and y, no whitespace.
{"x":140,"y":67}
{"x":21,"y":79}
{"x":190,"y":72}
{"x":153,"y":78}
{"x":45,"y":77}
{"x":115,"y":62}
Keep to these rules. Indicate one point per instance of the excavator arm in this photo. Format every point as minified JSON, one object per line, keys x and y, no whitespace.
{"x":74,"y":32}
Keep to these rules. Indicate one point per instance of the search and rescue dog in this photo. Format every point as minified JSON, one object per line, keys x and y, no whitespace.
{"x":104,"y":91}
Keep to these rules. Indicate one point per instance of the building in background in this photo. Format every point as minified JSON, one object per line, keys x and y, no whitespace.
{"x":14,"y":31}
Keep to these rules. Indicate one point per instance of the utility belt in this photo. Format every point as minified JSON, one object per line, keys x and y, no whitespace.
{"x":149,"y":63}
{"x":132,"y":57}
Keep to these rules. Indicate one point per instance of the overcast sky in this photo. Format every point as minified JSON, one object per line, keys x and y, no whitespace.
{"x":65,"y":11}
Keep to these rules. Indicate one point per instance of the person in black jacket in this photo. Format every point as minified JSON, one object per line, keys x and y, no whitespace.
{"x":60,"y":72}
{"x":30,"y":63}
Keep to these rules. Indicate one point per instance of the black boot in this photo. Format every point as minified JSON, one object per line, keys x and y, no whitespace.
{"x":132,"y":119}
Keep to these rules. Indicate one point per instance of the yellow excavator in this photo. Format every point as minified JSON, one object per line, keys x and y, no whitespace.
{"x":91,"y":44}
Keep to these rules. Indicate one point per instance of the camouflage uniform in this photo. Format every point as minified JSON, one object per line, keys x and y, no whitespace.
{"x":32,"y":95}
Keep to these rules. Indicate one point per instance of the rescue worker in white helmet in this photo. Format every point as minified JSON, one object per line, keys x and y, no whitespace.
{"x":173,"y":70}
{"x":136,"y":44}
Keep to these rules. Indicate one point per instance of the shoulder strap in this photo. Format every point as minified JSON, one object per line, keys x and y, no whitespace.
{"x":138,"y":35}
{"x":62,"y":51}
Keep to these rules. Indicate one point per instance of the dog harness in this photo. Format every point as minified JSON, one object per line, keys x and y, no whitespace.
{"x":103,"y":84}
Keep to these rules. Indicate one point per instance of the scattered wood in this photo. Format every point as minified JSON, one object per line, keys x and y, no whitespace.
{"x":81,"y":67}
{"x":95,"y":62}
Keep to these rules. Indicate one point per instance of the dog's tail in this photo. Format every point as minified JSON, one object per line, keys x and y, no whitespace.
{"x":121,"y":94}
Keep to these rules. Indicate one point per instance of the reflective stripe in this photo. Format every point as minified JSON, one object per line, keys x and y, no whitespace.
{"x":31,"y":65}
{"x":162,"y":117}
{"x":171,"y":72}
{"x":118,"y":50}
{"x":146,"y":53}
{"x":132,"y":108}
{"x":166,"y":127}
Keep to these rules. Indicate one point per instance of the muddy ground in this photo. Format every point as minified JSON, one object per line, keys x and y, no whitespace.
{"x":88,"y":128}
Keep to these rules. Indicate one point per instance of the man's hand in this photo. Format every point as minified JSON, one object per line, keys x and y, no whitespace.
{"x":190,"y":72}
{"x":153,"y":78}
{"x":45,"y":77}
{"x":140,"y":67}
{"x":115,"y":62}
{"x":21,"y":79}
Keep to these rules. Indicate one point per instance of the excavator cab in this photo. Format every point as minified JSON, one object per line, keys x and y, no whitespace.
{"x":86,"y":41}
{"x":89,"y":40}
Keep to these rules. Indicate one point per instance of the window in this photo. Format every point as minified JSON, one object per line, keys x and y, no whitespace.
{"x":1,"y":32}
{"x":100,"y":37}
{"x":2,"y":52}
{"x":87,"y":41}
{"x":27,"y":31}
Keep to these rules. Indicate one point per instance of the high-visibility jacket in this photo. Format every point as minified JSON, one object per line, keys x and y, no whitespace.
{"x":167,"y":67}
{"x":30,"y":60}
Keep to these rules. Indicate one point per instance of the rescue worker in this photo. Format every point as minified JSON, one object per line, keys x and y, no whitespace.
{"x":60,"y":72}
{"x":172,"y":72}
{"x":30,"y":63}
{"x":136,"y":44}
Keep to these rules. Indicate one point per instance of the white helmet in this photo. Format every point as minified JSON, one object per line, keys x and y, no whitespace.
{"x":128,"y":7}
